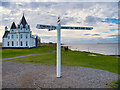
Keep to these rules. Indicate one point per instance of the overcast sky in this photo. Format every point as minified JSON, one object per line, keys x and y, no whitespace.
{"x":102,"y":16}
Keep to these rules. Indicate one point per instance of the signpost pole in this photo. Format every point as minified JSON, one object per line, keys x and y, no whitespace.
{"x":59,"y":49}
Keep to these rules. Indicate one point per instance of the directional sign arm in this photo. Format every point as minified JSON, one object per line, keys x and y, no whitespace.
{"x":78,"y":28}
{"x":51,"y":27}
{"x":40,"y":26}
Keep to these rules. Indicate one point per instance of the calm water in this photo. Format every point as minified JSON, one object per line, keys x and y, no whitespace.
{"x":107,"y":49}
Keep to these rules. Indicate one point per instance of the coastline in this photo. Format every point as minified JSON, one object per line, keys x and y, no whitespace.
{"x":73,"y":48}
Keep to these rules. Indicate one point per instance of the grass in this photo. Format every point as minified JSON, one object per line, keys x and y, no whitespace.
{"x":0,"y":45}
{"x":70,"y":58}
{"x":6,"y":53}
{"x":116,"y":84}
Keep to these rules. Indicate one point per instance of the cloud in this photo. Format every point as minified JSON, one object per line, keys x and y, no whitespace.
{"x":88,"y":14}
{"x":91,"y":20}
{"x":1,"y":32}
{"x":86,"y":34}
{"x":96,"y":35}
{"x":115,"y":36}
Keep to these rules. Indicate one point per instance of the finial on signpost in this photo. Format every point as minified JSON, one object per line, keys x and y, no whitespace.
{"x":58,"y":20}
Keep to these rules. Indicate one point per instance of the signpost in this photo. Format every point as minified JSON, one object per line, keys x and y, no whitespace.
{"x":59,"y":27}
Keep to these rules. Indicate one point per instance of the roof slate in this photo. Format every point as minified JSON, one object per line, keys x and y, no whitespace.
{"x":23,"y":21}
{"x":6,"y":34}
{"x":13,"y":26}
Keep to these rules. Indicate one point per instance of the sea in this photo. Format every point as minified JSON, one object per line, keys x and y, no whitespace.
{"x":101,"y":48}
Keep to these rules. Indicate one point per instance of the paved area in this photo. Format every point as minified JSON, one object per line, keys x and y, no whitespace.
{"x":18,"y":75}
{"x":26,"y":56}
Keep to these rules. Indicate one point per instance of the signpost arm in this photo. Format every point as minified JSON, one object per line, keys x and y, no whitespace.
{"x":59,"y":49}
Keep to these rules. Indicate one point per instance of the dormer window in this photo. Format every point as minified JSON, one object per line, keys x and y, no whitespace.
{"x":21,"y":27}
{"x":26,"y":26}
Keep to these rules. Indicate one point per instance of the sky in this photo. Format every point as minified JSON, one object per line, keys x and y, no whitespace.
{"x":102,"y":16}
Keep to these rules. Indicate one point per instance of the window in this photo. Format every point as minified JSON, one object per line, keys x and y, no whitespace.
{"x":12,"y":43}
{"x":8,"y":43}
{"x":12,"y":36}
{"x":21,"y":35}
{"x":21,"y":43}
{"x":26,"y":26}
{"x":21,"y":27}
{"x":8,"y":37}
{"x":26,"y":36}
{"x":26,"y":43}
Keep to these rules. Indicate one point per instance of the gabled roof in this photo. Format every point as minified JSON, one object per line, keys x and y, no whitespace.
{"x":23,"y":21}
{"x":6,"y":34}
{"x":13,"y":26}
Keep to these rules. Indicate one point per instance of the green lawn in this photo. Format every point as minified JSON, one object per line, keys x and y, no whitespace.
{"x":70,"y":58}
{"x":18,"y":52}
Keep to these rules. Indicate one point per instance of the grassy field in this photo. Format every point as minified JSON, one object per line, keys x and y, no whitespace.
{"x":0,"y":45}
{"x":18,"y":52}
{"x":70,"y":58}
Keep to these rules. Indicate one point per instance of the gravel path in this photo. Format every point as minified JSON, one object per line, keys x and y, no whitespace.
{"x":26,"y":56}
{"x":17,"y":75}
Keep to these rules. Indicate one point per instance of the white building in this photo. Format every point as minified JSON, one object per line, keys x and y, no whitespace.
{"x":19,"y":36}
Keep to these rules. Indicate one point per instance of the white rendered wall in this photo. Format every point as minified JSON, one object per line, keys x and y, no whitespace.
{"x":30,"y":40}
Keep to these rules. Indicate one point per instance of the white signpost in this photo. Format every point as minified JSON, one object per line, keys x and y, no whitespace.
{"x":59,"y":27}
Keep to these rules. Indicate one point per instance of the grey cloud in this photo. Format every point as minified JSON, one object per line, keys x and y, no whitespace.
{"x":91,"y":20}
{"x":86,"y":34}
{"x":41,"y":4}
{"x":65,"y":20}
{"x":96,"y":35}
{"x":5,"y":4}
{"x":92,"y":34}
{"x":114,"y":36}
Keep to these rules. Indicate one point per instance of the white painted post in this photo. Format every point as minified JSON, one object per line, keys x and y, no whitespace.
{"x":59,"y":27}
{"x":59,"y":49}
